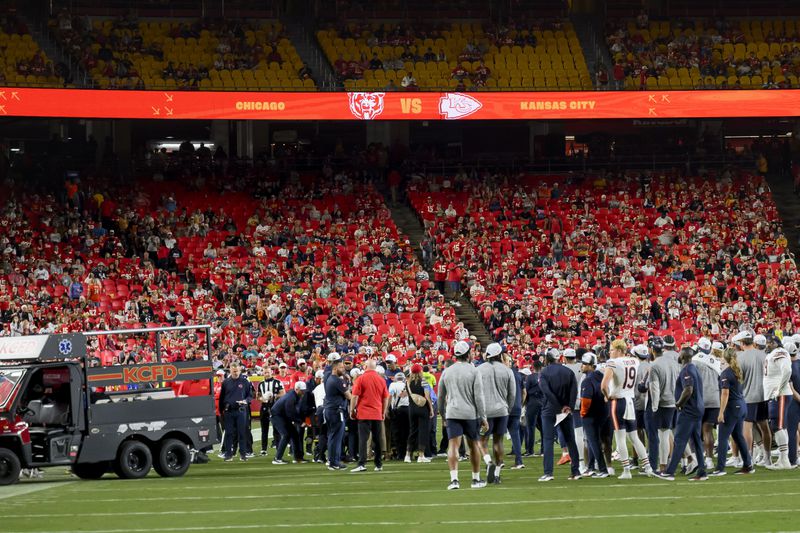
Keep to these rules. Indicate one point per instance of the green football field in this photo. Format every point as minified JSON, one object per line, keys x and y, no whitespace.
{"x":405,"y":497}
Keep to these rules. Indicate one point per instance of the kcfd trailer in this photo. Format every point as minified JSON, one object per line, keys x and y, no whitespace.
{"x":58,"y":408}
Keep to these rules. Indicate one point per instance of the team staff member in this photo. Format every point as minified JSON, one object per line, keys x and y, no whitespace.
{"x":709,"y":369}
{"x":514,"y":416}
{"x":269,"y":391}
{"x":571,"y":362}
{"x":689,"y":390}
{"x":732,"y":409}
{"x":462,"y":408}
{"x":560,"y":390}
{"x":334,"y":409}
{"x":661,"y":384}
{"x":533,"y":407}
{"x":499,"y":393}
{"x":286,"y":414}
{"x":594,"y":412}
{"x":751,"y":361}
{"x":368,"y":402}
{"x":234,"y":399}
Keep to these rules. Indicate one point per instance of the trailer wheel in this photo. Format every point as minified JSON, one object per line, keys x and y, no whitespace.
{"x":10,"y":467}
{"x":173,"y":458}
{"x":134,"y":460}
{"x":90,"y":470}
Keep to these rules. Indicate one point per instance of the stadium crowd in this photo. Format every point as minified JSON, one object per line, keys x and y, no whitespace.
{"x":314,"y":295}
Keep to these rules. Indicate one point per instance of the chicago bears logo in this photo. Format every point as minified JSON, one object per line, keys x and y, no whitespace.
{"x":454,"y":106}
{"x":366,"y":106}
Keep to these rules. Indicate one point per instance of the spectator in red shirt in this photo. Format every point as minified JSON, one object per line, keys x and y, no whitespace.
{"x":283,"y":376}
{"x":619,"y":76}
{"x":367,"y":405}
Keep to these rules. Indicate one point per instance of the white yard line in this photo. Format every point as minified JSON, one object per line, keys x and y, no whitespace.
{"x":538,"y":519}
{"x":28,"y":488}
{"x":371,"y":506}
{"x":390,"y":492}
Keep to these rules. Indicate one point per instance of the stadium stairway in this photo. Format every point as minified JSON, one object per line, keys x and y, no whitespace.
{"x":54,"y":52}
{"x":788,"y":203}
{"x":593,"y":50}
{"x":409,"y":225}
{"x":301,"y":33}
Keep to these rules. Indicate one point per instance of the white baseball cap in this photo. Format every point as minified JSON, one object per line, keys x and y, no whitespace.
{"x":333,"y":357}
{"x":641,"y":351}
{"x":354,"y":373}
{"x":301,"y":361}
{"x":525,"y":371}
{"x":789,"y":345}
{"x":589,"y":358}
{"x":760,"y":340}
{"x":704,"y":345}
{"x":300,"y":385}
{"x":319,"y":374}
{"x":716,"y":345}
{"x":493,"y":350}
{"x":461,"y":348}
{"x":391,"y":358}
{"x":569,"y":353}
{"x":796,"y":338}
{"x":742,"y":335}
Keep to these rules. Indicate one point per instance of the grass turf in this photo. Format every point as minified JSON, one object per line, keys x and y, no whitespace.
{"x":257,"y":496}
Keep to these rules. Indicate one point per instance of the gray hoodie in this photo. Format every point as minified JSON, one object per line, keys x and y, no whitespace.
{"x":499,"y":389}
{"x":461,"y":393}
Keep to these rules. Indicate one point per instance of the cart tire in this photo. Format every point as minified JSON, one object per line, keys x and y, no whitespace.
{"x":173,"y":458}
{"x":90,"y":470}
{"x":134,"y":460}
{"x":10,"y":467}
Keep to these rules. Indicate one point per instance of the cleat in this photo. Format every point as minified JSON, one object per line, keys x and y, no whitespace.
{"x":518,"y":467}
{"x":279,"y":462}
{"x":378,"y":469}
{"x":601,"y":475}
{"x":490,"y":469}
{"x":699,"y":477}
{"x":546,"y":478}
{"x":478,"y":484}
{"x":454,"y":485}
{"x":665,"y":476}
{"x":626,"y":474}
{"x":564,"y":460}
{"x":359,"y":468}
{"x":227,"y":459}
{"x":263,"y":453}
{"x":717,"y":473}
{"x":576,"y":477}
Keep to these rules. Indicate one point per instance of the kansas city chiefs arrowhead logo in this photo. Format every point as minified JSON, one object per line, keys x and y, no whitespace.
{"x":366,"y":106}
{"x":454,"y":106}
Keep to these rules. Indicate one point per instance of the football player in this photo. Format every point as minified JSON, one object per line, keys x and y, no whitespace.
{"x":618,"y":386}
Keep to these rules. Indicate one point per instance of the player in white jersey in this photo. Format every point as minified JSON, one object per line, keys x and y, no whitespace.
{"x":618,"y":385}
{"x":777,"y":374}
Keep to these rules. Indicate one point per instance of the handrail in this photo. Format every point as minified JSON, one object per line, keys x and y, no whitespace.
{"x":145,"y":330}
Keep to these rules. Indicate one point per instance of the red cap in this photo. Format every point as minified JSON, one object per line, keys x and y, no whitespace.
{"x":416,"y":368}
